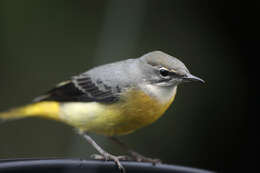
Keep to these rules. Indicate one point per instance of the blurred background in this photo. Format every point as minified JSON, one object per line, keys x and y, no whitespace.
{"x":45,"y":42}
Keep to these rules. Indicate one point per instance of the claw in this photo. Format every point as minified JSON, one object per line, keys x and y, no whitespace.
{"x":150,"y":160}
{"x":97,"y":157}
{"x":139,"y":158}
{"x":134,"y":155}
{"x":103,"y":154}
{"x":116,"y":159}
{"x":120,"y":167}
{"x":101,"y":157}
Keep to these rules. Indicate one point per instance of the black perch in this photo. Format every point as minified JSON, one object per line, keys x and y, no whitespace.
{"x":87,"y":166}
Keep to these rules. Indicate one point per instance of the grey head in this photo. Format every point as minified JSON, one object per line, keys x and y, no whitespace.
{"x":164,"y":70}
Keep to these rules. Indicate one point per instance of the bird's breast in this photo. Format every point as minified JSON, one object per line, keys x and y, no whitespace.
{"x":134,"y":110}
{"x":143,"y":108}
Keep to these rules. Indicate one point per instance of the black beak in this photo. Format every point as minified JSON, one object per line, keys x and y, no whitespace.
{"x":191,"y":78}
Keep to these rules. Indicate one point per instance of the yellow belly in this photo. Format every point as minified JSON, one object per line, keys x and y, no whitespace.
{"x":135,"y":110}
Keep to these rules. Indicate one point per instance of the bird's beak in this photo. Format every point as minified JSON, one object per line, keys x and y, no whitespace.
{"x":191,"y":78}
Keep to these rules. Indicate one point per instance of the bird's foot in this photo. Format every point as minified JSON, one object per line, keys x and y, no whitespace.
{"x":108,"y":157}
{"x":116,"y":159}
{"x":139,"y":158}
{"x":133,"y":154}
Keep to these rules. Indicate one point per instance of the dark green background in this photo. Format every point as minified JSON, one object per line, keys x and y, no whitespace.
{"x":45,"y":42}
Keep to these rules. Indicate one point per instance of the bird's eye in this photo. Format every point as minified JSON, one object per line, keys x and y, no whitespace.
{"x":164,"y":72}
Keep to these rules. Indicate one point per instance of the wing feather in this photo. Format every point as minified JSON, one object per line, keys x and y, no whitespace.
{"x":81,"y":88}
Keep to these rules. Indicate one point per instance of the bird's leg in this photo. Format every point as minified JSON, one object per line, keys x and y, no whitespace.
{"x":103,"y":154}
{"x":136,"y":156}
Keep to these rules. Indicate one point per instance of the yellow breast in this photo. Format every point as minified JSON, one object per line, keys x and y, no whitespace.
{"x":134,"y":110}
{"x":141,"y":110}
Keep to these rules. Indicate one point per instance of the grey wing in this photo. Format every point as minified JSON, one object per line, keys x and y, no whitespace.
{"x":81,"y":88}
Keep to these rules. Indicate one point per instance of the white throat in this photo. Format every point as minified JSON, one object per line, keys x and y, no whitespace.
{"x":161,"y":93}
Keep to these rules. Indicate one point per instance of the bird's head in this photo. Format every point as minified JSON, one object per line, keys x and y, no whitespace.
{"x":161,"y":69}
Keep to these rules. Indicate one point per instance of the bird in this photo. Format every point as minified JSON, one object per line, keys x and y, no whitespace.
{"x":112,"y":100}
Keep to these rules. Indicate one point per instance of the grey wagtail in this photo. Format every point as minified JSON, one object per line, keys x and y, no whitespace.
{"x":112,"y":99}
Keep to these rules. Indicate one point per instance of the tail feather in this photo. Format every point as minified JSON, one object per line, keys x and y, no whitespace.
{"x":42,"y":109}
